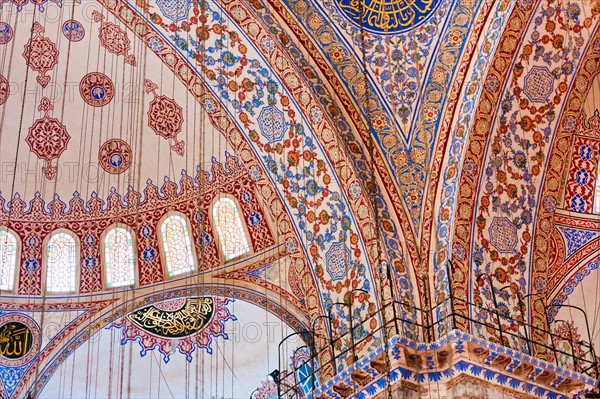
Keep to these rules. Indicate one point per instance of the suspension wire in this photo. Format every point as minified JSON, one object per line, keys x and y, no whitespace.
{"x":371,"y":148}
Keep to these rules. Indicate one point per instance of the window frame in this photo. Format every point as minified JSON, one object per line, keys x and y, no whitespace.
{"x":45,"y":264}
{"x":162,"y":244}
{"x":16,"y":272}
{"x":215,"y":228}
{"x":103,"y":256}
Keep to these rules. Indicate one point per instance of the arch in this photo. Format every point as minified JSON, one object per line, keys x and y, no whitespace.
{"x":286,"y":312}
{"x":177,"y":250}
{"x":60,"y":256}
{"x":231,"y":231}
{"x":119,"y":256}
{"x":9,"y":253}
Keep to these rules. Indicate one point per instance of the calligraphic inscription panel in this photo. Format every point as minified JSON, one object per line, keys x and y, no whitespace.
{"x":387,"y":16}
{"x":19,"y":339}
{"x":181,"y":318}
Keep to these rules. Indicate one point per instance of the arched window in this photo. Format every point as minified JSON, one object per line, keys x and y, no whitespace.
{"x":230,"y":229}
{"x":8,"y":259}
{"x":61,"y":258}
{"x":177,"y":245}
{"x":119,"y":257}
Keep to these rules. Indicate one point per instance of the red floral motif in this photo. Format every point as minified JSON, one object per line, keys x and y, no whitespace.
{"x":4,"y":89}
{"x":114,"y":39}
{"x":165,"y":117}
{"x":48,"y":138}
{"x":40,"y":54}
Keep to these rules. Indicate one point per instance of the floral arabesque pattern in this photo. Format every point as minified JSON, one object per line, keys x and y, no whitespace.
{"x":41,"y":54}
{"x":114,"y":39}
{"x":165,"y":117}
{"x":518,"y":149}
{"x":47,"y":138}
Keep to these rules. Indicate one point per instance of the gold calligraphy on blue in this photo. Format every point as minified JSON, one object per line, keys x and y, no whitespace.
{"x":387,"y":16}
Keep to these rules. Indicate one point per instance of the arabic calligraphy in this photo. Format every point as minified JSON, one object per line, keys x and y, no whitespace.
{"x":387,"y":16}
{"x":19,"y":339}
{"x":183,"y":322}
{"x":16,"y":340}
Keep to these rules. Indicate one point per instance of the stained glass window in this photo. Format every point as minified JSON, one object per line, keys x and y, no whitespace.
{"x":8,"y":259}
{"x":119,"y":258}
{"x":229,"y":227}
{"x":177,"y":245}
{"x":61,"y":258}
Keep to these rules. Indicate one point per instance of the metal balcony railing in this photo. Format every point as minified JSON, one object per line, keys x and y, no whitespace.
{"x":427,"y":326}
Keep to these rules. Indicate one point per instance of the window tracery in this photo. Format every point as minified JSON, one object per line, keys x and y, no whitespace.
{"x":177,"y":245}
{"x":61,"y":258}
{"x":231,"y":232}
{"x":119,"y":258}
{"x":8,"y":259}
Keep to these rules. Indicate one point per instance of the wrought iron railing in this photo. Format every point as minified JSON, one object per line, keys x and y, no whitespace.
{"x":426,"y":326}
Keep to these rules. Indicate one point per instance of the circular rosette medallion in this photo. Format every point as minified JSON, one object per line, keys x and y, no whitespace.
{"x":4,"y":89}
{"x":387,"y":16}
{"x":115,"y":156}
{"x":19,"y":339}
{"x":73,"y":30}
{"x":96,"y":89}
{"x":6,"y":33}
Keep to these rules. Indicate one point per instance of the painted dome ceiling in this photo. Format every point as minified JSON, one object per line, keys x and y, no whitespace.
{"x":365,"y":144}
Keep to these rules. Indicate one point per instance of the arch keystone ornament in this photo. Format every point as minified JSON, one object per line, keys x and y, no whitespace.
{"x":47,"y":138}
{"x":41,"y":55}
{"x":165,"y":117}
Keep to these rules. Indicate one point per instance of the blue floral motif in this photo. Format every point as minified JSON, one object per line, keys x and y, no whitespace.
{"x":11,"y":376}
{"x":149,"y":254}
{"x":578,"y":203}
{"x":255,"y":218}
{"x":576,"y":238}
{"x":90,"y":262}
{"x":89,"y":240}
{"x":31,"y":265}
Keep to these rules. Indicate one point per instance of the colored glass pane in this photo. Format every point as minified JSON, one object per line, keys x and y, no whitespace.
{"x":229,"y":227}
{"x":177,"y":245}
{"x":119,"y":258}
{"x":61,"y":258}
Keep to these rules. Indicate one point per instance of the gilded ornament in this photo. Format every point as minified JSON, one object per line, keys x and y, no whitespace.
{"x":387,"y":16}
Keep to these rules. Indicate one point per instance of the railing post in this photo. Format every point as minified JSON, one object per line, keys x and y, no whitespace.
{"x":450,"y":277}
